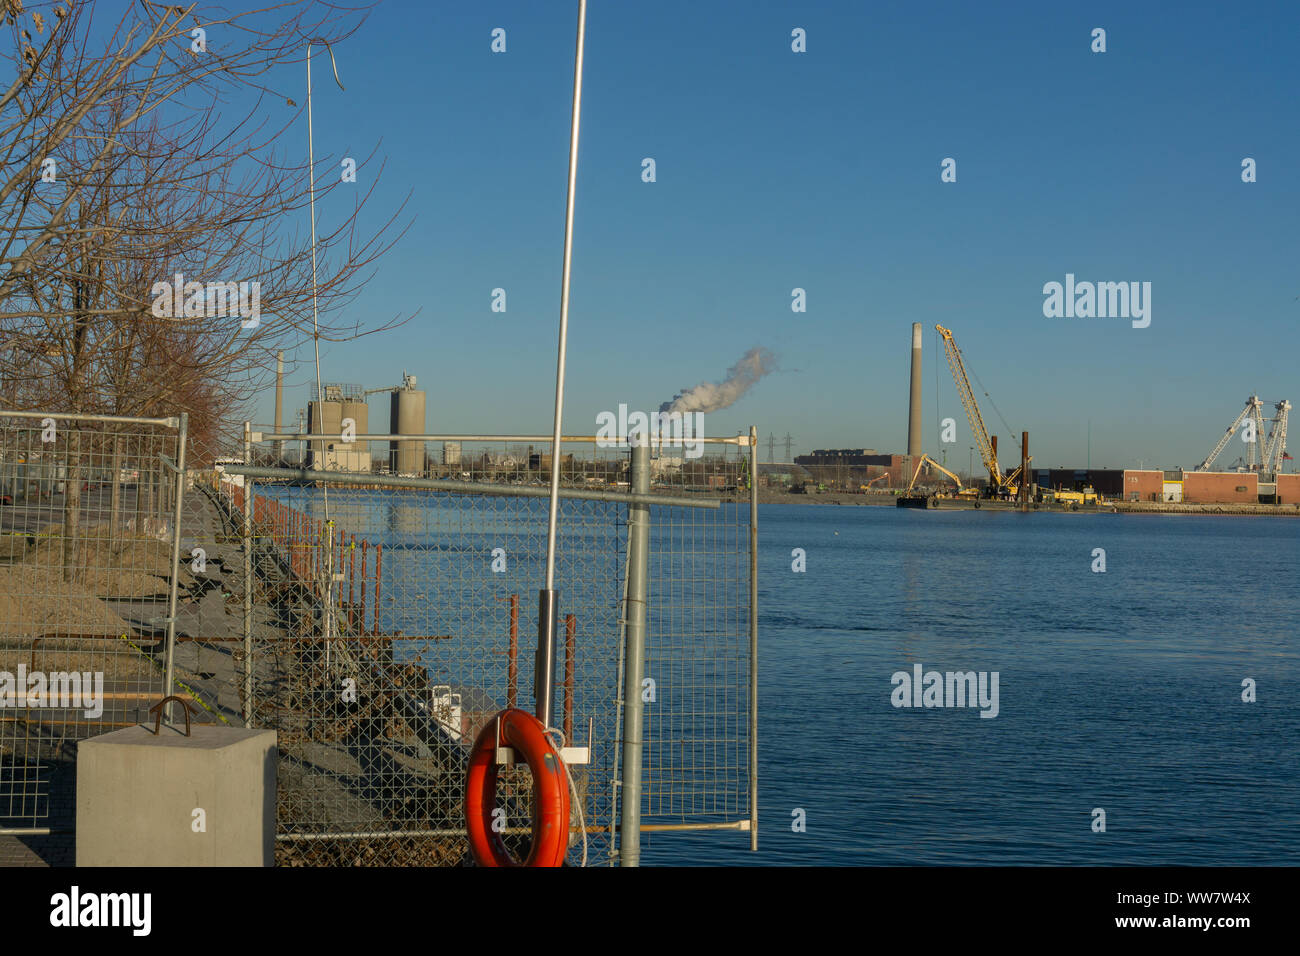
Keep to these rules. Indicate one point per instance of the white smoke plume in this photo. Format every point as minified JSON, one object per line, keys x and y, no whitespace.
{"x":712,"y":396}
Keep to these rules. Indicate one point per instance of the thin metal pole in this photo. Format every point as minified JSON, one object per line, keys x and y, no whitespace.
{"x":570,"y":653}
{"x":311,"y":187}
{"x":753,"y":638}
{"x":512,"y":673}
{"x":638,"y":560}
{"x":553,"y":514}
{"x":169,"y":662}
{"x":548,"y":602}
{"x":248,"y":579}
{"x":616,"y":782}
{"x":329,"y":589}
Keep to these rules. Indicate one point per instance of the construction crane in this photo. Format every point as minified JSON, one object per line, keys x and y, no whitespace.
{"x":998,"y":482}
{"x":1275,"y":447}
{"x":961,"y":490}
{"x":1253,"y":413}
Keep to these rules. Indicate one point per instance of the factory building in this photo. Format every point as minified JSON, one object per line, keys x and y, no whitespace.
{"x":342,"y":402}
{"x":1173,"y":486}
{"x":849,"y":465}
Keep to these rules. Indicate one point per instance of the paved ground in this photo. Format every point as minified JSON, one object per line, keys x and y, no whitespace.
{"x":58,"y":848}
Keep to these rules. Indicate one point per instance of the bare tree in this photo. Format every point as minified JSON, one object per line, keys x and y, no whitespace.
{"x":153,"y":254}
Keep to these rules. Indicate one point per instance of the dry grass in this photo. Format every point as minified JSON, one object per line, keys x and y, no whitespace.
{"x":128,"y":566}
{"x":36,"y":600}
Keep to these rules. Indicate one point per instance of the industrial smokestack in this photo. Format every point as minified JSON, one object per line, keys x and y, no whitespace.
{"x":279,"y":390}
{"x":914,"y":407}
{"x":279,"y":404}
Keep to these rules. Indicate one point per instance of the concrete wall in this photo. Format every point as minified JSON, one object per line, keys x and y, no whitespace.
{"x":1217,"y":487}
{"x":1147,"y":485}
{"x":1288,"y":489}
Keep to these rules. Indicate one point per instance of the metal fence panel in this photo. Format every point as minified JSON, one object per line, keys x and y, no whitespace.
{"x":87,"y":552}
{"x":377,"y":685}
{"x":377,"y":628}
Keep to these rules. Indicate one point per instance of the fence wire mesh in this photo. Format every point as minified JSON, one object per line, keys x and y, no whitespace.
{"x":433,"y":627}
{"x":86,"y":552}
{"x":433,"y":623}
{"x":377,"y":629}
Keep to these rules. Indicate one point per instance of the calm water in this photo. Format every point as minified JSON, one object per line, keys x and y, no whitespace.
{"x":1119,"y":690}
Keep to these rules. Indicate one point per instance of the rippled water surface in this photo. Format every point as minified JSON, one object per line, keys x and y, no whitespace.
{"x":1120,"y":690}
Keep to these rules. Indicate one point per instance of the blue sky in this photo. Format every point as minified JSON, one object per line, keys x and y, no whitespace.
{"x":821,"y":170}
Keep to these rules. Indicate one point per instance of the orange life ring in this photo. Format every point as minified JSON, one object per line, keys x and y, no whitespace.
{"x":525,"y":733}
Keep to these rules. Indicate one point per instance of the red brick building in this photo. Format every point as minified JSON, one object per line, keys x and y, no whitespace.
{"x":1142,"y":485}
{"x":1220,"y":487}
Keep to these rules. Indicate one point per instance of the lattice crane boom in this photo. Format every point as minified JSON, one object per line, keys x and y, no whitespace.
{"x":973,"y":416}
{"x":1252,"y":452}
{"x":1276,"y":447}
{"x":1251,"y":410}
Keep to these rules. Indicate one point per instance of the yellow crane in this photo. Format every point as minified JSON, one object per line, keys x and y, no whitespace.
{"x":998,"y":482}
{"x":961,"y":490}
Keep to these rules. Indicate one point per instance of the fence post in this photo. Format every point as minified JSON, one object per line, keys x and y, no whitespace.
{"x":329,"y":588}
{"x":169,"y":657}
{"x":638,"y":560}
{"x":753,"y":638}
{"x":248,"y":579}
{"x":570,"y":652}
{"x":512,"y":674}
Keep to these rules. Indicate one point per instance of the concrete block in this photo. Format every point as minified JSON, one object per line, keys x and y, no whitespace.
{"x":138,"y":797}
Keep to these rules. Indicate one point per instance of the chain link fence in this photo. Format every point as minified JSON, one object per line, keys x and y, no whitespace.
{"x":391,"y":616}
{"x":376,"y":611}
{"x":88,"y":592}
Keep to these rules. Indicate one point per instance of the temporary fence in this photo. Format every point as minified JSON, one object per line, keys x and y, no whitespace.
{"x":377,"y":618}
{"x":391,"y":616}
{"x":89,"y":508}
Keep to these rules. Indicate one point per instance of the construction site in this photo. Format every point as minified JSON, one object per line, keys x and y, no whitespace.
{"x":917,"y":480}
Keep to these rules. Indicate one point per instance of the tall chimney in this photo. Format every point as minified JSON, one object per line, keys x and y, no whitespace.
{"x":279,"y":403}
{"x":914,"y":408}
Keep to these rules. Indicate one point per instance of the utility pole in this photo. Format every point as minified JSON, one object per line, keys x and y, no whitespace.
{"x":789,"y":446}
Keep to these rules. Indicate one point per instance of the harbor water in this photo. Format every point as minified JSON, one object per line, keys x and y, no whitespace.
{"x":1119,"y":690}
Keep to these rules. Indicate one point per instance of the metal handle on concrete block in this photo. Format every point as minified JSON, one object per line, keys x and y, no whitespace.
{"x":157,"y":711}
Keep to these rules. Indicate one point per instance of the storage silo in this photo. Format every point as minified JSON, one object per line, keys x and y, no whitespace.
{"x":354,"y":456}
{"x":407,"y":457}
{"x":326,"y":418}
{"x":323,"y":418}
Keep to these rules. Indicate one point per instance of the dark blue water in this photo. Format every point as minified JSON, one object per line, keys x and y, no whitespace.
{"x":1119,"y":690}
